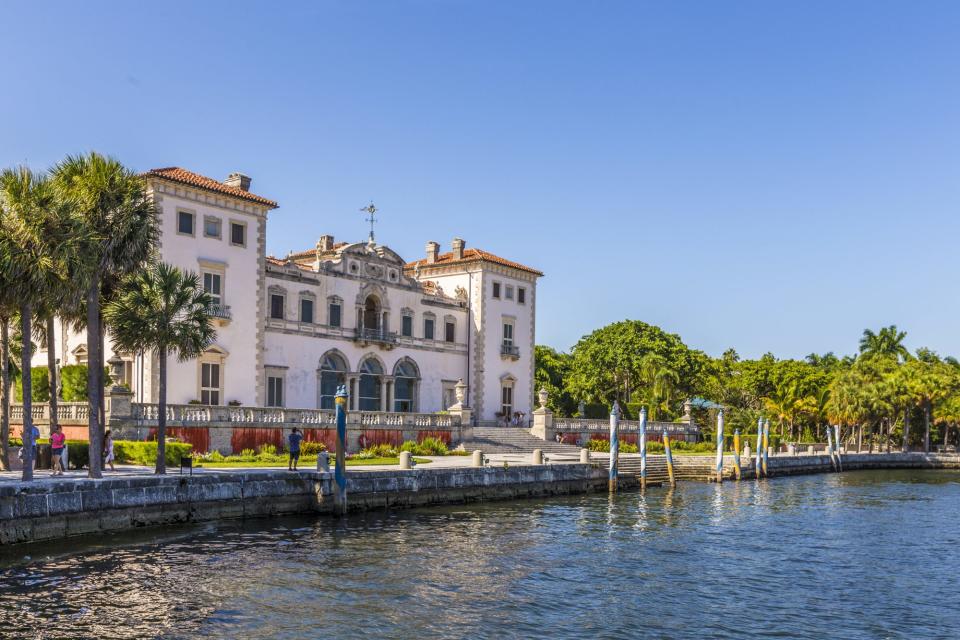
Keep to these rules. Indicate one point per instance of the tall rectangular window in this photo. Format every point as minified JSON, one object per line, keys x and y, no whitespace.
{"x":334,"y":314}
{"x":274,"y":391}
{"x":211,"y":226}
{"x":276,"y":306}
{"x":507,"y":334}
{"x":209,"y":383}
{"x":508,"y":292}
{"x":506,"y":400}
{"x":496,"y":290}
{"x":306,"y":310}
{"x":213,"y":285}
{"x":428,"y":328}
{"x":185,"y":222}
{"x":406,"y":326}
{"x":450,"y":330}
{"x":238,"y":234}
{"x":522,"y":295}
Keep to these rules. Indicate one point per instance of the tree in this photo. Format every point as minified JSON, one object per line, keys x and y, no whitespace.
{"x":165,"y":311}
{"x":888,"y":342}
{"x":551,"y":371}
{"x":40,"y":250}
{"x":120,"y":235}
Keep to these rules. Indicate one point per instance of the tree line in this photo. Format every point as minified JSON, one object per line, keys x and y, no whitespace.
{"x":79,"y":242}
{"x":883,"y":396}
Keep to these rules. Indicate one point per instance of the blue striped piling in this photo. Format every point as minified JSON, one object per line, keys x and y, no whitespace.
{"x":836,"y":433}
{"x":757,"y":469}
{"x":736,"y":453}
{"x":340,"y":473}
{"x":666,"y":450}
{"x":720,"y":446}
{"x":833,"y":463}
{"x":766,"y":445}
{"x":614,"y":445}
{"x":642,"y":444}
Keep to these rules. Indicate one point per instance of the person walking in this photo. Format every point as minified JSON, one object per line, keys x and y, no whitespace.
{"x":294,"y":440}
{"x":57,"y":440}
{"x":108,"y":449}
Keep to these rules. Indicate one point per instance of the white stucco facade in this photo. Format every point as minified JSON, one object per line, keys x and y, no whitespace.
{"x":399,"y":335}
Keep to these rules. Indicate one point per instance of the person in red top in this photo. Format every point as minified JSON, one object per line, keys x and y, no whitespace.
{"x":57,"y":440}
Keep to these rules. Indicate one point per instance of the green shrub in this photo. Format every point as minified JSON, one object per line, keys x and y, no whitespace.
{"x":73,"y":380}
{"x":267,"y":450}
{"x":655,"y":447}
{"x":145,"y":453}
{"x":248,"y":453}
{"x":40,"y":391}
{"x":312,"y":448}
{"x":598,"y":445}
{"x":380,"y":451}
{"x":432,"y":447}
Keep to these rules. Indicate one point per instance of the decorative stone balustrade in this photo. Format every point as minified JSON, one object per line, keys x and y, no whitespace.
{"x":67,"y":413}
{"x":585,"y":425}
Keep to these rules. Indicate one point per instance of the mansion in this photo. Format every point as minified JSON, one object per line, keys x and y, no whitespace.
{"x":400,"y":335}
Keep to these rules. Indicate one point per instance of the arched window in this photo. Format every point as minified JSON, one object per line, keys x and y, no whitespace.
{"x":333,"y":370}
{"x":371,"y":385}
{"x":371,"y":313}
{"x":407,"y":377}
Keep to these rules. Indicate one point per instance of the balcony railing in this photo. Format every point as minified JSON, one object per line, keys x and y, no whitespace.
{"x":376,"y":335}
{"x":221,"y":311}
{"x":510,"y":350}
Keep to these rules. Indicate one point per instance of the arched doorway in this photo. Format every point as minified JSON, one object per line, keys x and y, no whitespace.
{"x":371,"y":385}
{"x":406,"y":380}
{"x":333,"y":370}
{"x":371,"y":313}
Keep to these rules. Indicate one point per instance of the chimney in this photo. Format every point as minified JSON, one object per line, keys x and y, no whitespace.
{"x":325,"y":243}
{"x":458,"y":245}
{"x":238,"y":181}
{"x":433,"y":250}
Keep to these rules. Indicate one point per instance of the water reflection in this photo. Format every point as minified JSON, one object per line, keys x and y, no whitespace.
{"x":695,"y":561}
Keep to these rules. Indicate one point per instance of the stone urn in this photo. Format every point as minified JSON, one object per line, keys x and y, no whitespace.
{"x":542,"y":395}
{"x":460,"y":392}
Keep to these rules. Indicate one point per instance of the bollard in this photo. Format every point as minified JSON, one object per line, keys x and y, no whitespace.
{"x":340,"y":473}
{"x":811,"y":450}
{"x":766,"y":446}
{"x":736,"y":453}
{"x":757,"y":468}
{"x":477,"y":458}
{"x":666,"y":450}
{"x":405,"y":459}
{"x":746,"y":452}
{"x":584,"y":456}
{"x":614,"y":445}
{"x":537,"y":457}
{"x":323,"y":462}
{"x":642,"y":441}
{"x":720,"y":446}
{"x":791,"y":449}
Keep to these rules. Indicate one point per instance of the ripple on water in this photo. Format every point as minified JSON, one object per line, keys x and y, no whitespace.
{"x":858,"y":555}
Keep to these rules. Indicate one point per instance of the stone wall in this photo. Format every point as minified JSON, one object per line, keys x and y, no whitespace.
{"x":48,"y":510}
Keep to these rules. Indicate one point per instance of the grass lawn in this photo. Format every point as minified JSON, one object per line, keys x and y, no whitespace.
{"x":305,"y":463}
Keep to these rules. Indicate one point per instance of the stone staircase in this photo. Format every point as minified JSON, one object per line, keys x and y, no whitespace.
{"x":514,"y":440}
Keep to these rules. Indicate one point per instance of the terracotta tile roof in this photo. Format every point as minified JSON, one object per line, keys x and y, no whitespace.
{"x":471,"y":255}
{"x":176,"y":174}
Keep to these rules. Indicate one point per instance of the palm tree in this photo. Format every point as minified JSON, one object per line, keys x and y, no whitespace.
{"x":888,"y":342}
{"x":121,"y":232}
{"x":163,"y":310}
{"x":40,"y":248}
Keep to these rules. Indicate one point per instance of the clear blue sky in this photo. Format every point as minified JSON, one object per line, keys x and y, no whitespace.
{"x":763,"y":175}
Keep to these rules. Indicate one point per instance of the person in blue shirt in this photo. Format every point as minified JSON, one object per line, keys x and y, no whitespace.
{"x":294,"y":439}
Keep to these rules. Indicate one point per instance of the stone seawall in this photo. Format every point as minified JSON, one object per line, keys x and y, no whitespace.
{"x":45,"y":510}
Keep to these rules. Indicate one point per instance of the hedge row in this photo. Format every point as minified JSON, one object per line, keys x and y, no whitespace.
{"x":125,"y":451}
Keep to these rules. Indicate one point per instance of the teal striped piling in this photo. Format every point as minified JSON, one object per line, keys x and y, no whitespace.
{"x":833,"y":462}
{"x":340,"y":473}
{"x":757,"y":469}
{"x":642,"y":444}
{"x":836,"y":434}
{"x":614,"y":445}
{"x":766,"y":445}
{"x":720,"y":446}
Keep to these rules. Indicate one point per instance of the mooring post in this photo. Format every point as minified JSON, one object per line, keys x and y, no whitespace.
{"x":666,"y":450}
{"x":720,"y":446}
{"x":340,"y":472}
{"x":642,"y":442}
{"x":736,"y":453}
{"x":757,"y":469}
{"x":836,"y":433}
{"x":766,"y":445}
{"x":614,"y":445}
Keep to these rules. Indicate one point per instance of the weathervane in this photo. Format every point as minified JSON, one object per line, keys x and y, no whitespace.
{"x":372,"y":210}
